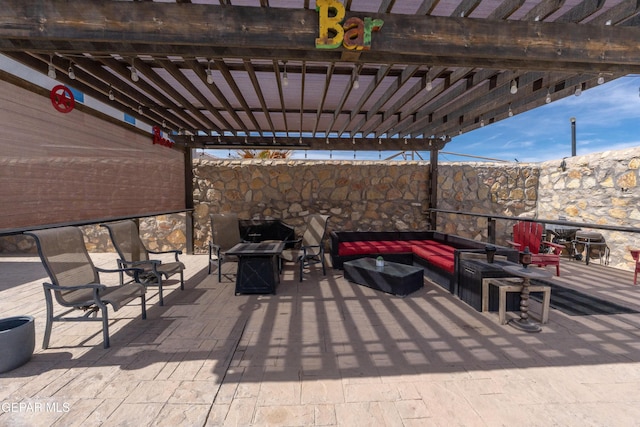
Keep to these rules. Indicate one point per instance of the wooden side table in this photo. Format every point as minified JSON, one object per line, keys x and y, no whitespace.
{"x":506,"y":285}
{"x":523,"y":323}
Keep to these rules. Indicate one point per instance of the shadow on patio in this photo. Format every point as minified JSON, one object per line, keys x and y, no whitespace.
{"x":326,"y":341}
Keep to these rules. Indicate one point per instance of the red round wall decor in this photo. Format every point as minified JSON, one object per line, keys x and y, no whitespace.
{"x":62,"y":99}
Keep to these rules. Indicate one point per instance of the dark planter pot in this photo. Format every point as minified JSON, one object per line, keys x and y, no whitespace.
{"x":17,"y":341}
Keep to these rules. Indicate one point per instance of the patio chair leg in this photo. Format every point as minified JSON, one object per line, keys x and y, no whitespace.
{"x":160,"y":291}
{"x":143,"y":303}
{"x":105,"y":325}
{"x":301,"y":268}
{"x":219,"y":271}
{"x":48,"y":325}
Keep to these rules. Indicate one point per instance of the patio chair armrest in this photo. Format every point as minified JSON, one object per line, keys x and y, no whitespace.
{"x":175,"y":252}
{"x":514,"y":244}
{"x":556,"y":247}
{"x":213,"y":247}
{"x":132,"y":264}
{"x":53,"y":287}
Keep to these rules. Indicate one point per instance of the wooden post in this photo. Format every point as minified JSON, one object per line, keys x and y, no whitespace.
{"x":188,"y":198}
{"x":491,"y":230}
{"x":433,"y":187}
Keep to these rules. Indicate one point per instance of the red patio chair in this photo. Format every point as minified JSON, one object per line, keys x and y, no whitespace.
{"x":529,"y":234}
{"x":635,"y":254}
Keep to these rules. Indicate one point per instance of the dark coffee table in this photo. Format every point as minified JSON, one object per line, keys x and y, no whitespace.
{"x":258,"y":271}
{"x":394,"y":278}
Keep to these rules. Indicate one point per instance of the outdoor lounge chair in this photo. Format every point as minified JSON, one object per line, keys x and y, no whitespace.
{"x":529,"y":234}
{"x":75,"y":281}
{"x":593,"y":245}
{"x":310,"y":248}
{"x":133,"y":253}
{"x":635,"y":254}
{"x":225,"y":234}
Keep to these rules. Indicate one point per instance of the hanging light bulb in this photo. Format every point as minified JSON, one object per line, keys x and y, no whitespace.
{"x":209,"y":74}
{"x":510,"y":111}
{"x":356,"y":82}
{"x":52,"y":70}
{"x":481,"y":123}
{"x":285,"y":77}
{"x":578,"y":91}
{"x":514,"y":87}
{"x":600,"y":79}
{"x":72,"y":74}
{"x":429,"y":85}
{"x":111,"y":94}
{"x":548,"y":98}
{"x":140,"y":110}
{"x":134,"y":73}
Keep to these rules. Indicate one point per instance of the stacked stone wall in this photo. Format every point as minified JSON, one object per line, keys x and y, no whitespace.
{"x":597,"y":188}
{"x":364,"y":196}
{"x":495,"y":188}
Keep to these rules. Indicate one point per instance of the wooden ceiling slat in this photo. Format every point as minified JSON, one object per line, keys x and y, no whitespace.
{"x":367,"y":92}
{"x":202,"y":74}
{"x":543,"y":10}
{"x":581,"y":11}
{"x":256,"y":87}
{"x":226,"y":74}
{"x":215,"y":90}
{"x":506,"y":9}
{"x":551,"y":45}
{"x":619,"y":13}
{"x":175,"y":72}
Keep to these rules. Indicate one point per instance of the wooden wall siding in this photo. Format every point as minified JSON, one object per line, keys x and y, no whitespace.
{"x":58,"y":167}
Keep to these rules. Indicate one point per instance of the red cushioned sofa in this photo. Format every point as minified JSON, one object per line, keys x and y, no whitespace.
{"x":437,"y":252}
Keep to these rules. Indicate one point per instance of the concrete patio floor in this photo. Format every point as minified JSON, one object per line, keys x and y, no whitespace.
{"x":324,"y":352}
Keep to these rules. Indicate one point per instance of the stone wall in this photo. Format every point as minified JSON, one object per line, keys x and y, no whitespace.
{"x":159,"y":233}
{"x":371,"y":195}
{"x":597,"y":188}
{"x":497,"y":188}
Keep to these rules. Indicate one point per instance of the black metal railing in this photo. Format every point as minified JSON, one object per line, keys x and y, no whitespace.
{"x":491,"y":222}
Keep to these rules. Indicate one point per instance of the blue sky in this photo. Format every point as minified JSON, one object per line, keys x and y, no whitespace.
{"x":607,"y":118}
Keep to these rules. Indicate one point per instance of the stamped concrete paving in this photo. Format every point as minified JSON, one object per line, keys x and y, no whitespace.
{"x":323,"y":352}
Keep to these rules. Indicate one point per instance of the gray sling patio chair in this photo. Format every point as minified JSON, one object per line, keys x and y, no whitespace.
{"x":133,"y":253}
{"x":75,"y":281}
{"x":310,"y":249}
{"x":225,"y":234}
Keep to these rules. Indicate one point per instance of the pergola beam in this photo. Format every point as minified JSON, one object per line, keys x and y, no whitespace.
{"x":200,"y":30}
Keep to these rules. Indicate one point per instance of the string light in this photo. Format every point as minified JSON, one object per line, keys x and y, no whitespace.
{"x":578,"y":91}
{"x":514,"y":87}
{"x":356,"y":82}
{"x":510,"y":111}
{"x":285,"y":77}
{"x":72,"y":74}
{"x":429,"y":85}
{"x":52,"y":70}
{"x":600,"y":79}
{"x":134,"y":73}
{"x":209,"y":74}
{"x":111,"y":94}
{"x":548,"y":98}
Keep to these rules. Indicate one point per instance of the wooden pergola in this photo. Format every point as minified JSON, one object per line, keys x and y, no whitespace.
{"x":251,"y":74}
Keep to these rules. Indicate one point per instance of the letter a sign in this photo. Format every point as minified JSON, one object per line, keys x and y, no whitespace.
{"x":355,"y":34}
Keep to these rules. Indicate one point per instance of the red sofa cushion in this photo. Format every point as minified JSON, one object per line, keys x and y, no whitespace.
{"x":356,"y":248}
{"x":445,"y":262}
{"x":434,"y":256}
{"x":391,"y":246}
